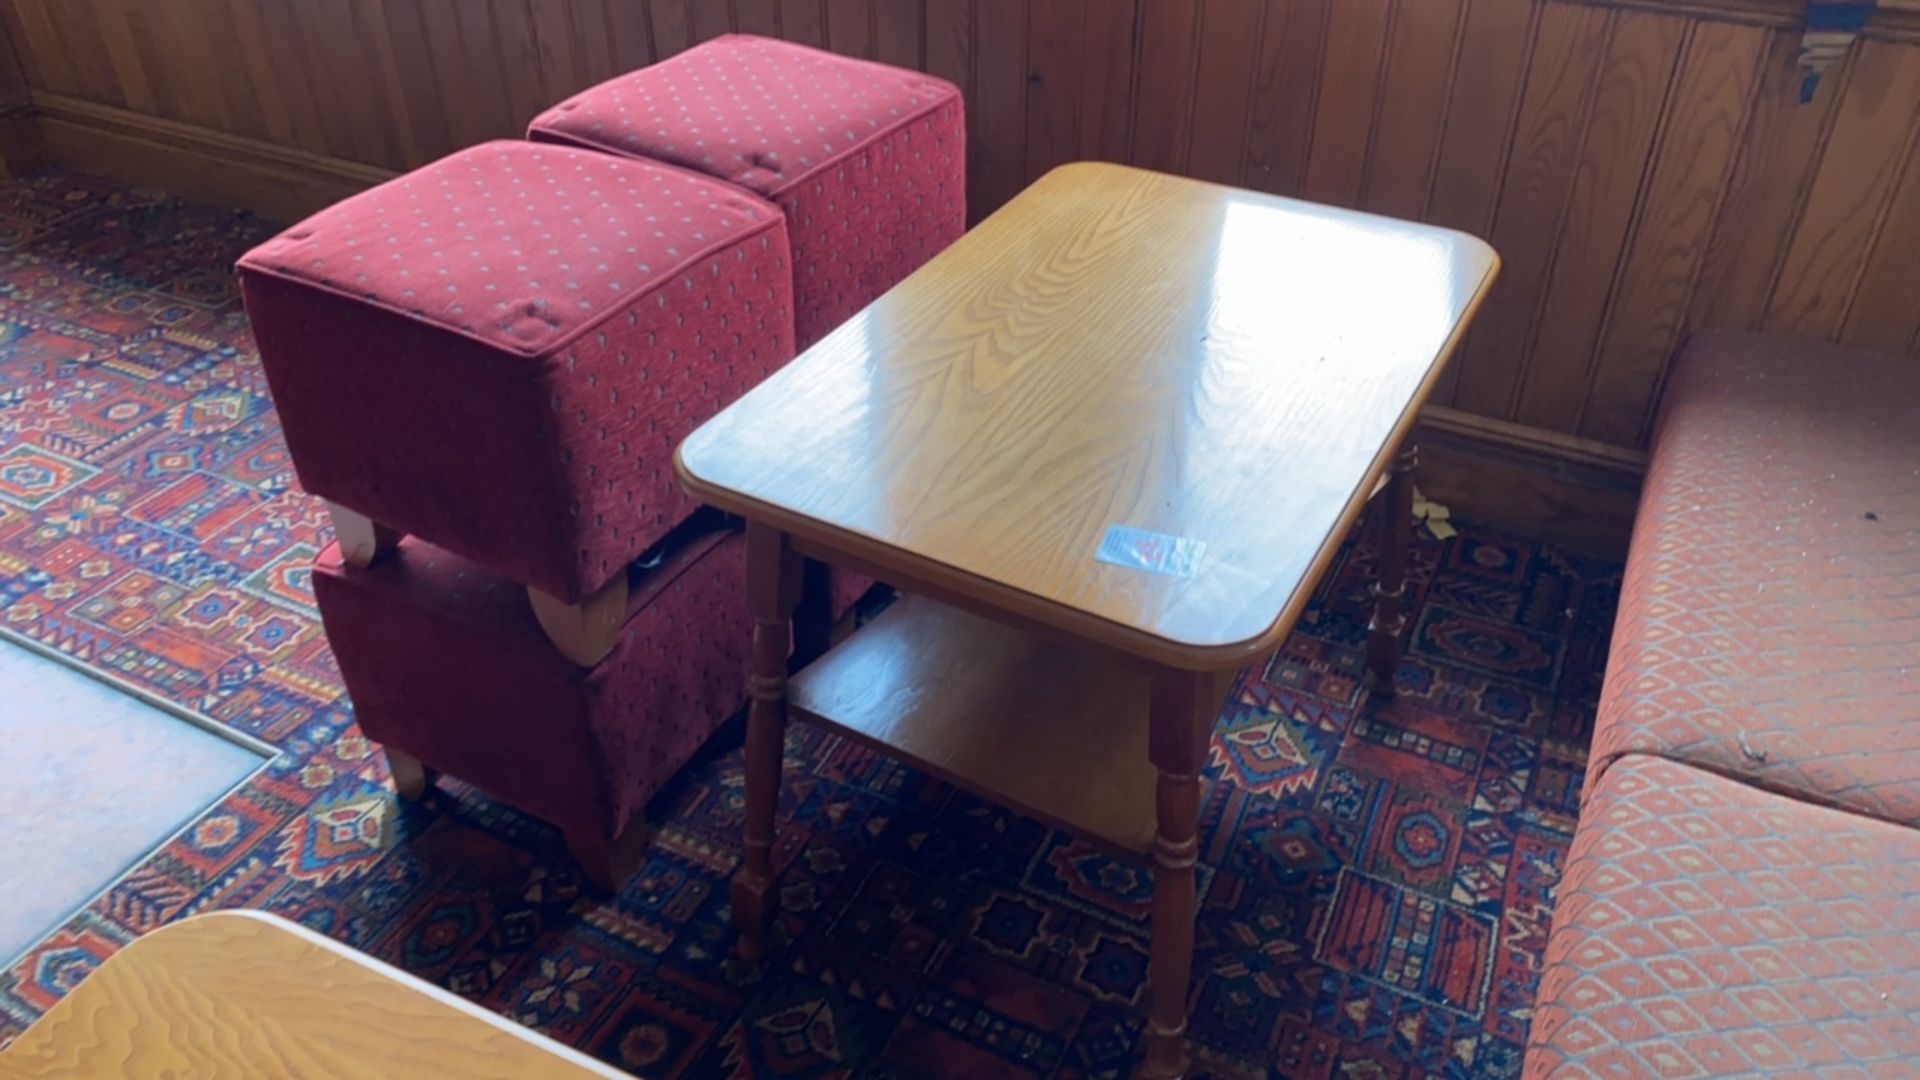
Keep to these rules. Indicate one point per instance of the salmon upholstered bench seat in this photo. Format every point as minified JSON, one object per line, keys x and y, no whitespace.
{"x":445,"y":664}
{"x":1705,"y":927}
{"x":867,"y":161}
{"x":1769,"y":624}
{"x":498,"y":352}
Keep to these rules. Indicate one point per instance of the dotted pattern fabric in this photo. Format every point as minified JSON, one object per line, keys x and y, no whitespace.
{"x":444,"y":661}
{"x":868,"y":162}
{"x":1769,"y":624}
{"x":499,"y":352}
{"x":1707,"y":928}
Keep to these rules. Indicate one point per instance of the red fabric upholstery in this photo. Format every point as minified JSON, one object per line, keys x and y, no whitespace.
{"x":1706,"y":927}
{"x":867,"y":161}
{"x":499,"y":352}
{"x":444,"y":661}
{"x":1769,"y":624}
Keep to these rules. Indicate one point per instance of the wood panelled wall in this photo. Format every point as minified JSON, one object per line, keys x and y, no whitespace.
{"x":1643,"y":166}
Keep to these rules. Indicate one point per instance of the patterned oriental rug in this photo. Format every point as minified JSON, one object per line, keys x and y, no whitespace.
{"x":1377,"y":878}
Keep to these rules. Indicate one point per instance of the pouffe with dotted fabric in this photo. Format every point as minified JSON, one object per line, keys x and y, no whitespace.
{"x":867,"y":161}
{"x":444,"y":661}
{"x":498,"y":352}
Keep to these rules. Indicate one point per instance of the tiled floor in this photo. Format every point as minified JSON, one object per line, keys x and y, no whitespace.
{"x":103,"y":774}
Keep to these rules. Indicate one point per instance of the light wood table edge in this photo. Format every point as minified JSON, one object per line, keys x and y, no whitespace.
{"x":993,"y":599}
{"x":58,"y":1016}
{"x":1181,"y":712}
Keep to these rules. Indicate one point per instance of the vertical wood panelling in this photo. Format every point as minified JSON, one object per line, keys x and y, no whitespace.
{"x":709,"y":18}
{"x":630,"y":33}
{"x":381,"y":69}
{"x":897,"y":33}
{"x":1106,"y":79}
{"x":1705,"y":115}
{"x":130,"y":74}
{"x":1886,"y":308}
{"x":1642,"y":170}
{"x":423,"y":110}
{"x":1054,"y":35}
{"x":1286,"y":74}
{"x":1614,"y":150}
{"x":1419,"y":72}
{"x":801,"y":21}
{"x":757,"y":17}
{"x":1229,"y":31}
{"x":1533,"y":196}
{"x":293,"y":65}
{"x":520,"y":72}
{"x":1343,"y":109}
{"x":1163,"y":110}
{"x":949,"y":46}
{"x":1778,"y":153}
{"x":1863,"y":156}
{"x":997,"y":112}
{"x":672,"y":33}
{"x":850,"y":28}
{"x":562,"y":65}
{"x":1496,"y":38}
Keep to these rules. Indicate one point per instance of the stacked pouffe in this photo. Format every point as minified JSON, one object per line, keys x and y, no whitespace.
{"x":494,"y":357}
{"x":868,"y":162}
{"x":484,"y":367}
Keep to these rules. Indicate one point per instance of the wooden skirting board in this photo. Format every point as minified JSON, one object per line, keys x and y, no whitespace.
{"x":199,"y":163}
{"x":1571,"y":490}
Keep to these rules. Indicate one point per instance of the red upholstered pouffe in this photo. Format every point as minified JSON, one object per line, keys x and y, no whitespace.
{"x":1707,"y":928}
{"x":867,"y":161}
{"x":1769,"y":623}
{"x":499,"y":352}
{"x":445,"y":663}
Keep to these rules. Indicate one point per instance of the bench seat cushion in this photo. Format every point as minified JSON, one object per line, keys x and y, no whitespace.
{"x":1769,"y":624}
{"x":867,"y":161}
{"x":1704,"y":927}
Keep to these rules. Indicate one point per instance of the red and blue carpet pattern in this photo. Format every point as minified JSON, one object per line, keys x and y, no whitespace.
{"x":1377,"y":878}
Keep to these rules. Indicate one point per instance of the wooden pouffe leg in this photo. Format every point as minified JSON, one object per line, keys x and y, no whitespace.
{"x":1390,"y":591}
{"x":363,"y":541}
{"x":609,"y":863}
{"x":773,"y":589}
{"x":587,"y":631}
{"x":411,"y":779}
{"x":1180,"y":722}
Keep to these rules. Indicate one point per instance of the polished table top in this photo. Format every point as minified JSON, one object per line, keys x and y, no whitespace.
{"x":1113,"y":348}
{"x":246,"y":995}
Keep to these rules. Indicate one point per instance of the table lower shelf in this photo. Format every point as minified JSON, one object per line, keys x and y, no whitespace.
{"x":1054,"y":730}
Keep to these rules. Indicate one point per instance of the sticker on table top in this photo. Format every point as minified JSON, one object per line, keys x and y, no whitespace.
{"x":1156,"y":553}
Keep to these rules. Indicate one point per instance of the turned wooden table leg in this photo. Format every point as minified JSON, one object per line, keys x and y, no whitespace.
{"x":773,"y":588}
{"x":1181,"y":720}
{"x":1390,"y":591}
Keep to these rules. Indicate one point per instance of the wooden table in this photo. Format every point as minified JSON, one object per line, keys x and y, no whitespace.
{"x":1232,"y":373}
{"x":246,"y":995}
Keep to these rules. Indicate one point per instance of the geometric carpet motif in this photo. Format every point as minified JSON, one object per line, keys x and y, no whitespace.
{"x":1376,"y":878}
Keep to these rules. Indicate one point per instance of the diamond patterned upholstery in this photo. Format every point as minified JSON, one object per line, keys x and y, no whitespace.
{"x":1705,"y":927}
{"x":1769,"y":624}
{"x":868,"y":162}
